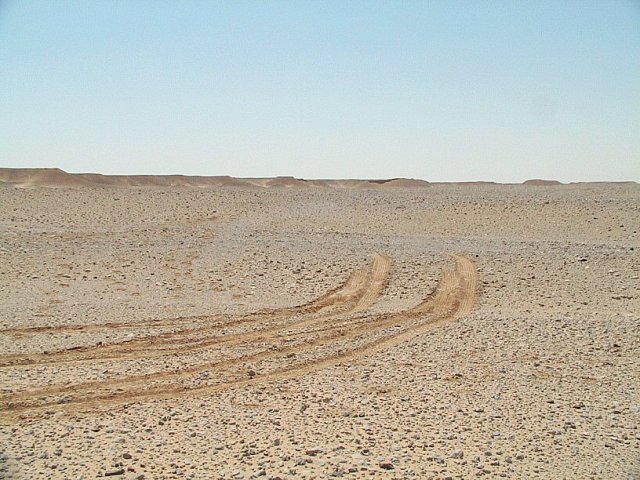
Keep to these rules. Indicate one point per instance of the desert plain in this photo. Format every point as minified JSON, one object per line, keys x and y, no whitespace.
{"x":283,"y":329}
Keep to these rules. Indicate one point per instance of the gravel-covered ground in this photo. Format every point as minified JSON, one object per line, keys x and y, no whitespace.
{"x":222,"y":332}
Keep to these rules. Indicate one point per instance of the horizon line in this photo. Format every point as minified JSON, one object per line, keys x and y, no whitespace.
{"x":291,"y":178}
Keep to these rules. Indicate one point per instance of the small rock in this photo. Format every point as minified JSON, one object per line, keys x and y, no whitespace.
{"x":457,"y":454}
{"x":113,"y":473}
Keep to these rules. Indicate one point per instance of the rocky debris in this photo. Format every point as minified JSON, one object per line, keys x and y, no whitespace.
{"x":537,"y":382}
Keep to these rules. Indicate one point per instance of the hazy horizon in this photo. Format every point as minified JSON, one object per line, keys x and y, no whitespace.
{"x":457,"y":91}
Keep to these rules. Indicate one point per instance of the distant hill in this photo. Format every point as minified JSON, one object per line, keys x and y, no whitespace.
{"x":537,"y":182}
{"x":55,"y":177}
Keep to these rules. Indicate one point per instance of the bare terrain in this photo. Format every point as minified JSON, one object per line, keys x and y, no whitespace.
{"x":211,"y":327}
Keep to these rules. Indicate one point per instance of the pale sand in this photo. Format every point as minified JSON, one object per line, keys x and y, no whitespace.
{"x":274,"y":330}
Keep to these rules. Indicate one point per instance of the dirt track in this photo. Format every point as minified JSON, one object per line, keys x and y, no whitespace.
{"x":287,"y":348}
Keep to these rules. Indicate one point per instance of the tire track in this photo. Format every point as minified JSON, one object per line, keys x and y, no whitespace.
{"x":25,"y":331}
{"x":379,"y":277}
{"x":360,"y":283}
{"x":329,"y":298}
{"x":453,"y":297}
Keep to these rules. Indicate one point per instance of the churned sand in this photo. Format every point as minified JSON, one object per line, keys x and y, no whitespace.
{"x":281,"y":328}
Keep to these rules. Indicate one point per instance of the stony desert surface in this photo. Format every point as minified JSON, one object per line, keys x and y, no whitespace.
{"x":282,"y":331}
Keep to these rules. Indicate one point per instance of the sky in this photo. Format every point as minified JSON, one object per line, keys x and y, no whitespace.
{"x":439,"y":90}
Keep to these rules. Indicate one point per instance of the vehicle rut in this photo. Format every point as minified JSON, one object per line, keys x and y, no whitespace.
{"x":361,"y":284}
{"x":278,"y":352}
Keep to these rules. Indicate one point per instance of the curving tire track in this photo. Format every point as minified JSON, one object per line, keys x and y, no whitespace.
{"x":291,"y":350}
{"x":361,"y":284}
{"x":331,"y":297}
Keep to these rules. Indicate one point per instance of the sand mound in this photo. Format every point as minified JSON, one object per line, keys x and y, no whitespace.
{"x":402,"y":183}
{"x":537,"y":182}
{"x":25,"y":177}
{"x":286,"y":182}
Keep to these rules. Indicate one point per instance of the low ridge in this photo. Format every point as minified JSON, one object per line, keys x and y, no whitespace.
{"x":55,"y":177}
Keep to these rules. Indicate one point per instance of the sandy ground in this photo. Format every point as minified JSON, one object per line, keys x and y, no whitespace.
{"x":242,"y":332}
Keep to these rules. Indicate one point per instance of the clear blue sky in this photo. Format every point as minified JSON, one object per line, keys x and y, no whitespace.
{"x":440,"y":90}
